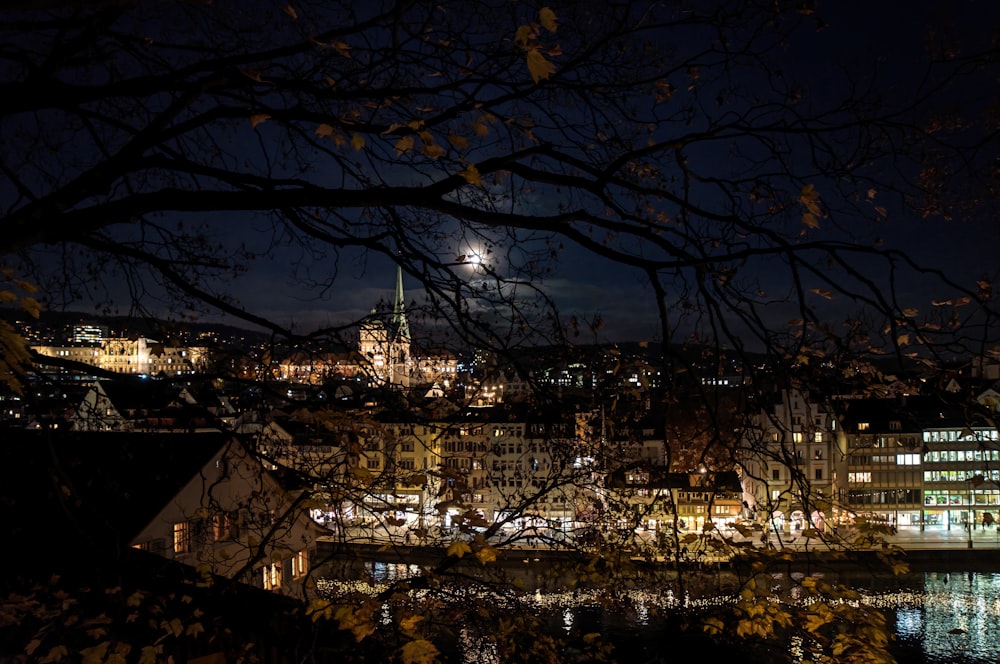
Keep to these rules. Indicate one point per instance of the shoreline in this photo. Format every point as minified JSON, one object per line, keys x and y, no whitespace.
{"x":946,"y":559}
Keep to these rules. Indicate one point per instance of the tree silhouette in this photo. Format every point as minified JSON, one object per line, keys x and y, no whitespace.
{"x":173,"y":148}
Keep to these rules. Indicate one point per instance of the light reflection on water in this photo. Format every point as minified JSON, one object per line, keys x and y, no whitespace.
{"x":939,"y":618}
{"x":948,"y":603}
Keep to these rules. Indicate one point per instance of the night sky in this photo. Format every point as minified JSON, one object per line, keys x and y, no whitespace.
{"x":965,"y":248}
{"x":856,"y":33}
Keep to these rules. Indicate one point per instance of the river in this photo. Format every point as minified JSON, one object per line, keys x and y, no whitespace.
{"x":938,"y":617}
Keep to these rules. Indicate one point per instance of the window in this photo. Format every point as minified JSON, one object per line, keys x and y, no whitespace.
{"x":819,"y":473}
{"x":859,"y":477}
{"x":182,"y":537}
{"x":153,"y":546}
{"x":862,"y":426}
{"x":222,"y":527}
{"x":797,"y":437}
{"x":300,"y":564}
{"x":818,"y":437}
{"x":775,"y":474}
{"x":819,"y":454}
{"x":272,"y":576}
{"x":373,"y":463}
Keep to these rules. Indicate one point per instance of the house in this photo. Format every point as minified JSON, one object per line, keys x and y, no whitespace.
{"x":79,"y":499}
{"x":132,"y":404}
{"x":657,"y":496}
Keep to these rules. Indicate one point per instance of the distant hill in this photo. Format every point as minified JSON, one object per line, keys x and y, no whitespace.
{"x":59,"y":321}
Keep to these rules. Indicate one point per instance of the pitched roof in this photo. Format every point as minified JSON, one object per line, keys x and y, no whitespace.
{"x":76,"y":498}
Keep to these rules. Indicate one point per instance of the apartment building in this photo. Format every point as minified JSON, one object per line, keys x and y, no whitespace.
{"x":792,"y":461}
{"x":884,"y":454}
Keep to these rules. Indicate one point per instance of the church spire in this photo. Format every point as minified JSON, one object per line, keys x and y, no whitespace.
{"x":399,"y":324}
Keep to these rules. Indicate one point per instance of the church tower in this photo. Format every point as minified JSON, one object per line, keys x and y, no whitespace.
{"x":384,"y":342}
{"x":399,"y":335}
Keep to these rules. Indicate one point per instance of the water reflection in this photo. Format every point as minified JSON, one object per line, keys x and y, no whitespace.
{"x":939,"y":618}
{"x":955,"y":619}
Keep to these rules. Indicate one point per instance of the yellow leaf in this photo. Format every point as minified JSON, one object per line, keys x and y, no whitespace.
{"x":459,"y":549}
{"x":809,"y":197}
{"x":480,"y":128}
{"x":194,"y":629}
{"x":324,"y":131}
{"x":825,"y":294}
{"x":291,"y":12}
{"x":96,"y":654}
{"x":31,"y":288}
{"x":175,"y":626}
{"x":319,"y":608}
{"x":357,"y":142}
{"x":149,"y":655}
{"x":539,"y":67}
{"x":31,"y":306}
{"x":135,"y":599}
{"x":524,"y":35}
{"x":471,"y":175}
{"x":903,"y":339}
{"x":814,"y":622}
{"x":810,"y":220}
{"x":258,"y":118}
{"x":405,"y":144}
{"x":342,"y":48}
{"x":459,"y":142}
{"x":713,"y":626}
{"x":56,"y":654}
{"x":410,"y":623}
{"x":547,"y":18}
{"x":420,"y":651}
{"x":433,"y":151}
{"x":487,"y":554}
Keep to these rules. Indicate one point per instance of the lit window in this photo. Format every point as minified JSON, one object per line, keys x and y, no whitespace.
{"x":272,"y":576}
{"x":182,"y":537}
{"x":300,"y":564}
{"x":862,"y":426}
{"x":797,"y":437}
{"x":818,"y":437}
